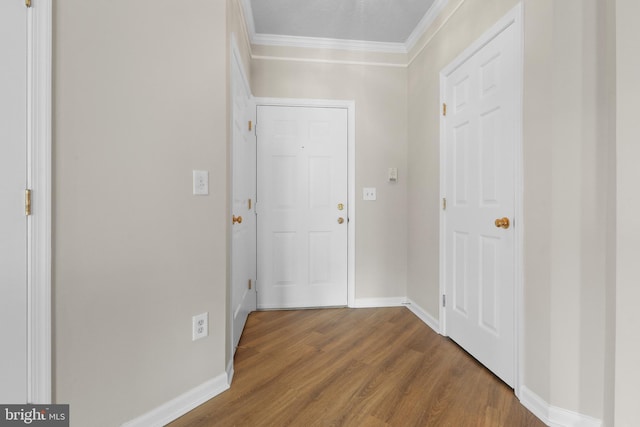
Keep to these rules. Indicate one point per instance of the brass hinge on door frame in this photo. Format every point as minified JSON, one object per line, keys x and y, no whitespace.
{"x":444,"y":203}
{"x":27,"y":3}
{"x":250,"y":125}
{"x":444,"y":108}
{"x":249,"y":284}
{"x":27,"y":202}
{"x":444,"y":300}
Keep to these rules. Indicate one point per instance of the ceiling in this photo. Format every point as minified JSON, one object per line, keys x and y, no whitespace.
{"x":376,"y":25}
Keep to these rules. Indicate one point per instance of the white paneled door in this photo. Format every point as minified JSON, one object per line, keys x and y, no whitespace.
{"x":302,"y":207}
{"x":13,"y":222}
{"x":479,"y":186}
{"x":243,"y":240}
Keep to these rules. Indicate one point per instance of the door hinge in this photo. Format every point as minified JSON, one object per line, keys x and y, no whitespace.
{"x":27,"y":3}
{"x":27,"y":202}
{"x":250,"y":125}
{"x":444,"y":300}
{"x":444,"y":108}
{"x":444,"y":203}
{"x":249,"y":284}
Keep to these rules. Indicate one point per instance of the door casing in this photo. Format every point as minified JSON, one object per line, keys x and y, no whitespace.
{"x":38,"y":179}
{"x":351,"y":172}
{"x":513,"y":17}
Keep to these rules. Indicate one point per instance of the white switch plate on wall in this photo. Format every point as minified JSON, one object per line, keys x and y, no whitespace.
{"x":200,"y":183}
{"x":393,"y":175}
{"x":369,"y":193}
{"x":200,"y":326}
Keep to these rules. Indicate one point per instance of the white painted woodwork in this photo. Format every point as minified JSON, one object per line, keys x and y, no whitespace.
{"x":13,"y":222}
{"x":302,"y":179}
{"x":243,"y":240}
{"x":479,"y":184}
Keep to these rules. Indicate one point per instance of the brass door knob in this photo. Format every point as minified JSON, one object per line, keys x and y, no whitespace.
{"x":340,"y":220}
{"x":237,"y":219}
{"x":502,"y":223}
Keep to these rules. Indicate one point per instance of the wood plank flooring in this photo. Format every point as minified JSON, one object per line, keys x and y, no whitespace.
{"x":356,"y":367}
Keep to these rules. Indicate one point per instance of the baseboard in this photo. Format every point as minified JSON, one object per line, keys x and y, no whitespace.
{"x":428,"y":319}
{"x":182,"y":404}
{"x":552,"y":415}
{"x":378,"y":302}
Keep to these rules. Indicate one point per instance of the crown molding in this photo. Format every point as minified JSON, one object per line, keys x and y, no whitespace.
{"x":326,"y":43}
{"x":248,"y":19}
{"x":350,"y":45}
{"x":427,"y":20}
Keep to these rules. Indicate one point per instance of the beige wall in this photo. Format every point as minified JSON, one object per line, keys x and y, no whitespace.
{"x":627,"y":376}
{"x":236,"y":26}
{"x":609,"y":94}
{"x":380,"y":95}
{"x":139,"y":101}
{"x":565,"y":172}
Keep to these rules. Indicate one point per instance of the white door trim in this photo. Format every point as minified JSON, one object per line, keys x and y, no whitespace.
{"x":351,"y":174}
{"x":39,"y":169}
{"x":513,"y":18}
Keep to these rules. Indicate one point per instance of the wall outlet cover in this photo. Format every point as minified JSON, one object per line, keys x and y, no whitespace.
{"x":200,"y":183}
{"x":369,"y":193}
{"x":200,"y":326}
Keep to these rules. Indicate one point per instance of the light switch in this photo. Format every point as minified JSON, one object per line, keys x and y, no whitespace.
{"x":200,"y":183}
{"x":393,"y":175}
{"x":369,"y":193}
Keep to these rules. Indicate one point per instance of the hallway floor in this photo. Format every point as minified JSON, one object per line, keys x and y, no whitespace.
{"x":356,"y":367}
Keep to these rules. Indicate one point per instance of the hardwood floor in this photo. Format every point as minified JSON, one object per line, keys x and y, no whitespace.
{"x":355,"y":367}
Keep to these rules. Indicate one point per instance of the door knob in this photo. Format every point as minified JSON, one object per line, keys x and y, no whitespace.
{"x":340,"y":220}
{"x":502,"y":223}
{"x":237,"y":219}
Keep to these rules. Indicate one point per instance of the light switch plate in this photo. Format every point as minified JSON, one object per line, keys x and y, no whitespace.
{"x":393,"y":175}
{"x":200,"y":183}
{"x":369,"y":193}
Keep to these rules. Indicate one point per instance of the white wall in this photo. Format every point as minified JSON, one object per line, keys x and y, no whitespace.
{"x":139,"y":101}
{"x":380,"y":94}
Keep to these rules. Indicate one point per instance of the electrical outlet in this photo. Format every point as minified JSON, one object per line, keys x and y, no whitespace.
{"x":200,"y":183}
{"x":369,"y":193}
{"x":200,"y":326}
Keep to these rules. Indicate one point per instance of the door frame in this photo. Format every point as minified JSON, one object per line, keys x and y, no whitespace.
{"x":513,"y":18}
{"x":350,"y":106}
{"x":39,"y":172}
